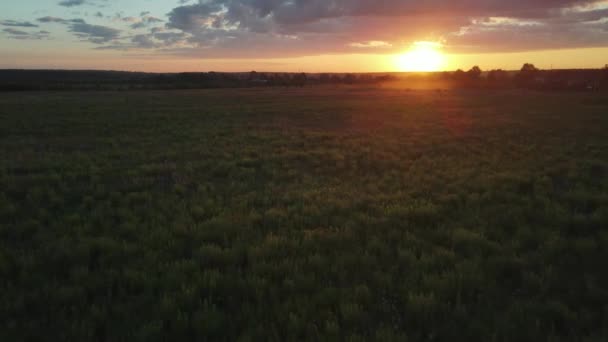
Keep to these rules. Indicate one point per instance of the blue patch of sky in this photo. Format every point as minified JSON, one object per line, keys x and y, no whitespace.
{"x":97,"y":12}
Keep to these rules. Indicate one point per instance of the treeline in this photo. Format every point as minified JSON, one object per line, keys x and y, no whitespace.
{"x":529,"y":76}
{"x":31,"y":80}
{"x":302,"y":79}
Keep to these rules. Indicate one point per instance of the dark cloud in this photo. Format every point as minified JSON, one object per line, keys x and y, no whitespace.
{"x":283,"y":28}
{"x":15,"y":32}
{"x":296,"y":27}
{"x":24,"y":35}
{"x":71,"y":3}
{"x":157,"y":38}
{"x":144,"y":21}
{"x":290,"y":12}
{"x":60,"y":20}
{"x":192,"y":17}
{"x":97,"y":34}
{"x":578,"y":30}
{"x":49,"y":19}
{"x":15,"y":23}
{"x":94,"y":33}
{"x":144,"y":41}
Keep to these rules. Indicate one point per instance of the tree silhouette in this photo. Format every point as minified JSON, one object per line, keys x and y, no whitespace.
{"x":349,"y":79}
{"x":529,"y":68}
{"x":498,"y":75}
{"x":459,"y":75}
{"x":300,"y":79}
{"x":527,"y":74}
{"x":474,"y":73}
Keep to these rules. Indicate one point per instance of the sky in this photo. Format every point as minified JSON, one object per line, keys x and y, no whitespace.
{"x":299,"y":35}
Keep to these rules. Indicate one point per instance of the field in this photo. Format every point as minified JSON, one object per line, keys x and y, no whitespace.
{"x":317,"y":213}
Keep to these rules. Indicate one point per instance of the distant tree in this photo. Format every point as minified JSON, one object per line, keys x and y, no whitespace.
{"x":350,"y":78}
{"x":276,"y":80}
{"x":253,"y":75}
{"x":445,"y":75}
{"x":529,"y":68}
{"x":459,"y":75}
{"x":497,"y":76}
{"x":300,"y":79}
{"x":527,"y":74}
{"x":474,"y":73}
{"x":365,"y":78}
{"x":385,"y":78}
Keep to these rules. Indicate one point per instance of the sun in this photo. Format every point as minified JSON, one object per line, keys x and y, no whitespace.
{"x":422,"y":57}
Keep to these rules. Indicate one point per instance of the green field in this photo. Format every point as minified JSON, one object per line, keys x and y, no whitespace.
{"x":346,"y":213}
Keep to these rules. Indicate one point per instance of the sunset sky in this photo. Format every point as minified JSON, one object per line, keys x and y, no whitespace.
{"x":300,"y":35}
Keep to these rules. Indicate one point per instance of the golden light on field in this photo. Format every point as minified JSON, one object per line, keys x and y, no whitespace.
{"x":422,"y":57}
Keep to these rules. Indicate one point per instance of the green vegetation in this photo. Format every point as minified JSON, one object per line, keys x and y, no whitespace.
{"x":352,"y":213}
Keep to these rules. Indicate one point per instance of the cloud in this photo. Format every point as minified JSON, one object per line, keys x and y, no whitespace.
{"x":228,"y":27}
{"x":142,"y":22}
{"x":288,"y":28}
{"x":15,"y":23}
{"x":24,"y":35}
{"x":15,"y":32}
{"x":577,"y":30}
{"x":49,"y":19}
{"x":193,"y":17}
{"x":156,"y":39}
{"x":97,"y":34}
{"x":71,"y":3}
{"x":286,"y":13}
{"x":94,"y":33}
{"x":370,"y":44}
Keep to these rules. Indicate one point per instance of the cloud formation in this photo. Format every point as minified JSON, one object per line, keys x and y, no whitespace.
{"x":96,"y":34}
{"x":15,"y":23}
{"x":59,"y":20}
{"x":71,"y":3}
{"x":13,"y":33}
{"x":286,"y":28}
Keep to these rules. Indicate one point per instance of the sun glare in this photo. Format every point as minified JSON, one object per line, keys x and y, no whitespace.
{"x":422,"y":57}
